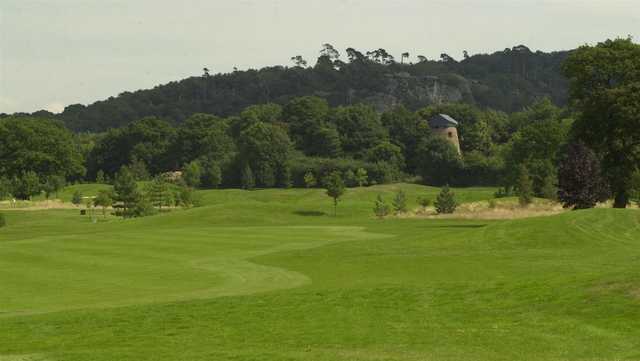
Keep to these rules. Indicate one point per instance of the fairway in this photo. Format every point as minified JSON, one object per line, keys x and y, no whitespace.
{"x":273,"y":275}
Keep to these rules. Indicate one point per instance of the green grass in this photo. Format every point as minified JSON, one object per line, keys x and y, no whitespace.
{"x":272,"y":275}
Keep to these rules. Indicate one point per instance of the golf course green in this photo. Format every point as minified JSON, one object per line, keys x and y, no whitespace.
{"x":274,"y":275}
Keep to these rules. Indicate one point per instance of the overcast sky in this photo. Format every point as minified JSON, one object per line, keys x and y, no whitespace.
{"x":59,"y":52}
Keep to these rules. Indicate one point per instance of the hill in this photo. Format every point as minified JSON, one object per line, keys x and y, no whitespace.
{"x":505,"y":80}
{"x":270,"y":275}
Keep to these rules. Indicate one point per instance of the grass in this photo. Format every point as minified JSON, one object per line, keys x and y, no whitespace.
{"x":272,"y":275}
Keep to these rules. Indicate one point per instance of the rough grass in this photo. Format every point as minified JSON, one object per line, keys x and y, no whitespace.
{"x":271,"y":275}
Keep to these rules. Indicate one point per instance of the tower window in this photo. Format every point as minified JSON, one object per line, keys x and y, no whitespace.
{"x":450,"y":135}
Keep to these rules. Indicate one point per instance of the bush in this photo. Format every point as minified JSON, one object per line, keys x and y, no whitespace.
{"x":446,"y":201}
{"x":3,"y":221}
{"x":309,"y":180}
{"x":424,"y":202}
{"x":76,"y":199}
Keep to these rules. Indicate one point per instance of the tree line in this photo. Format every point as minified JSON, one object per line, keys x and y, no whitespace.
{"x":306,"y":141}
{"x":507,"y":80}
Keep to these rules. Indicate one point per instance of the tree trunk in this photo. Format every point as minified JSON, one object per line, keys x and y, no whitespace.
{"x":621,"y":200}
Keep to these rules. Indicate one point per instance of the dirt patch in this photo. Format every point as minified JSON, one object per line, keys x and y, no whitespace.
{"x":35,"y":206}
{"x":629,"y":289}
{"x":495,"y":209}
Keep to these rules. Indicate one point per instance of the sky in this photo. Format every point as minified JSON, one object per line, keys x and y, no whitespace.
{"x":59,"y":52}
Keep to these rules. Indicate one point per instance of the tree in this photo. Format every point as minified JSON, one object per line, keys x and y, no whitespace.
{"x":266,"y":149}
{"x":309,"y":180}
{"x":53,"y":184}
{"x":549,"y":189}
{"x":192,"y":174}
{"x":380,"y":208}
{"x":26,"y":185}
{"x":5,"y":188}
{"x":159,"y":193}
{"x":388,"y":153}
{"x":41,"y":146}
{"x":100,"y":177}
{"x":248,"y":181}
{"x":446,"y":201}
{"x":104,"y":199}
{"x":580,"y":182}
{"x":525,"y":187}
{"x":212,"y":175}
{"x":299,"y":61}
{"x":361,"y":177}
{"x":125,"y":192}
{"x":400,"y":202}
{"x":76,"y":199}
{"x":359,"y":127}
{"x":440,"y":161}
{"x":335,"y":188}
{"x":604,"y":88}
{"x":186,"y":197}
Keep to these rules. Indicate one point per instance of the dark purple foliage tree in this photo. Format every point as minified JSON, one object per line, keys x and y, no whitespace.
{"x":580,"y":182}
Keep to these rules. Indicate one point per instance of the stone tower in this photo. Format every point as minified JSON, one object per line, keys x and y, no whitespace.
{"x":446,"y":127}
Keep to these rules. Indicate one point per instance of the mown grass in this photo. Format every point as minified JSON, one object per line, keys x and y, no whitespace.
{"x":272,"y":275}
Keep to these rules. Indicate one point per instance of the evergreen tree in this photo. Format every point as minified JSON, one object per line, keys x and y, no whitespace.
{"x":446,"y":201}
{"x":525,"y":187}
{"x":125,"y":192}
{"x":400,"y":202}
{"x":159,"y":193}
{"x":335,"y":189}
{"x":380,"y":208}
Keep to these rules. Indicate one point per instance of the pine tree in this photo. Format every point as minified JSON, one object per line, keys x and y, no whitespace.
{"x":380,"y":208}
{"x":400,"y":202}
{"x":126,"y":191}
{"x":446,"y":201}
{"x":159,"y":194}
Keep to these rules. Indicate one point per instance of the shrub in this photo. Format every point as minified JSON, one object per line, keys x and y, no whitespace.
{"x":424,"y":202}
{"x":76,"y":199}
{"x":380,"y":208}
{"x":446,"y":201}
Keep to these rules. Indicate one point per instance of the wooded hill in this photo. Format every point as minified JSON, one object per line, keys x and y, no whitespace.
{"x":506,"y":80}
